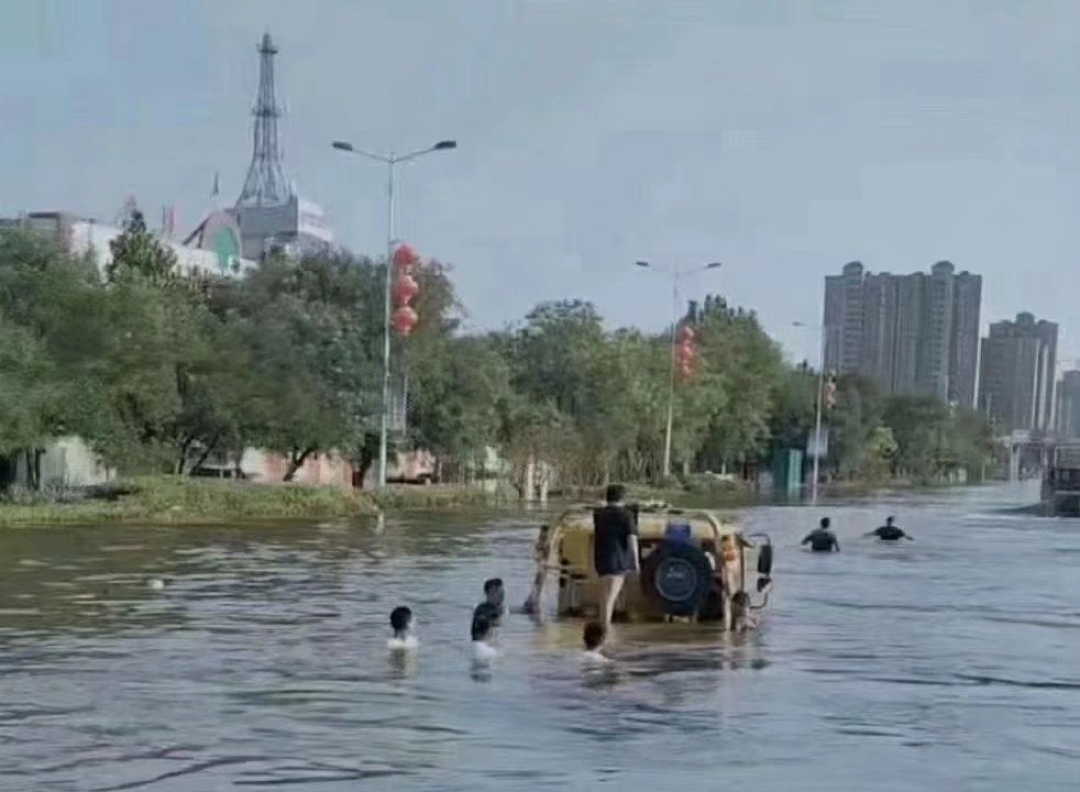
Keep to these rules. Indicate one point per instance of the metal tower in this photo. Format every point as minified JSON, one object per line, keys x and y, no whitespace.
{"x":265,"y":184}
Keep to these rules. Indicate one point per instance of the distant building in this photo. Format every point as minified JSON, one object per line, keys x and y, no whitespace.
{"x":1016,"y":383}
{"x":964,"y":360}
{"x":1068,"y":405}
{"x":270,"y":213}
{"x":915,"y":333}
{"x":844,"y":319}
{"x":212,"y":250}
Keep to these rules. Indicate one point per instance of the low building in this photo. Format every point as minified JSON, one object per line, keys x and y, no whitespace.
{"x":212,"y":249}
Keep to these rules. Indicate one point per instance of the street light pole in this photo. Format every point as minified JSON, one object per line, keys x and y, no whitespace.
{"x":817,"y":416}
{"x":675,"y":276}
{"x":390,"y":160}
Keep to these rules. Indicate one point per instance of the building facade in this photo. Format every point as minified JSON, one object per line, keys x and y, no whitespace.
{"x":1016,"y":383}
{"x":964,"y":360}
{"x":1068,"y":405}
{"x":916,"y":333}
{"x":212,"y":250}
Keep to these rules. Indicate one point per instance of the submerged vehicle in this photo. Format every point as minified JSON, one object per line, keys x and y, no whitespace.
{"x":1061,"y":481}
{"x":692,"y":564}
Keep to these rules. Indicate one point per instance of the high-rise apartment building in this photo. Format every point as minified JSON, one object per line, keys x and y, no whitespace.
{"x":964,"y":360}
{"x":844,"y":319}
{"x":1016,"y":383}
{"x":1068,"y":405}
{"x":915,"y":333}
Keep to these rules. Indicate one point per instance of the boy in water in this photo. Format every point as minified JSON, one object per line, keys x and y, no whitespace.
{"x":401,"y":622}
{"x":595,"y":636}
{"x":483,"y":633}
{"x":495,"y":594}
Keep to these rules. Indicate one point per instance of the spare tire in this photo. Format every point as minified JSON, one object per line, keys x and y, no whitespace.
{"x":678,"y":576}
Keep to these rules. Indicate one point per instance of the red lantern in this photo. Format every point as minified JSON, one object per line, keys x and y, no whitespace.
{"x":405,"y":288}
{"x":405,"y":258}
{"x":404,"y":320}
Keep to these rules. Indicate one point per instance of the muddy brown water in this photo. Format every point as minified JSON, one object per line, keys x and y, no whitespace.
{"x":948,"y":663}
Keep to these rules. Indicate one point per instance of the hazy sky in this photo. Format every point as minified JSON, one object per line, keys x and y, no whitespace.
{"x":782,"y":138}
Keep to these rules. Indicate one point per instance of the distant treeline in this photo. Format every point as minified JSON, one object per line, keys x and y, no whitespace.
{"x":157,"y":372}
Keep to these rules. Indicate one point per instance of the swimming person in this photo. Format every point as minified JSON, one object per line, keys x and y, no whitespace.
{"x":615,"y":548}
{"x":889,"y":532}
{"x":594,"y":636}
{"x":483,"y":633}
{"x":821,"y":539}
{"x":401,"y":622}
{"x":495,"y":593}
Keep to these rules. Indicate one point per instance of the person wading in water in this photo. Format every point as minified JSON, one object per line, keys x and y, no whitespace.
{"x":615,"y":548}
{"x":821,"y":539}
{"x":889,"y":532}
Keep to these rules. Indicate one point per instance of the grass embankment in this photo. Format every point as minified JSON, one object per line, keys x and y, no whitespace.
{"x":177,"y":499}
{"x":434,"y":496}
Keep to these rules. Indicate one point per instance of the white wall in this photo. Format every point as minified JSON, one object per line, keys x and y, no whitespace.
{"x":68,"y":461}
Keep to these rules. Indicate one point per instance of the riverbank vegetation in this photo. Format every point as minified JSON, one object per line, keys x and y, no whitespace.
{"x":174,"y":499}
{"x":157,"y":372}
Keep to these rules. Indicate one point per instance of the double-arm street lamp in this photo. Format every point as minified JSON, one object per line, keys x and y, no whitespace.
{"x":390,"y":160}
{"x":676,"y":275}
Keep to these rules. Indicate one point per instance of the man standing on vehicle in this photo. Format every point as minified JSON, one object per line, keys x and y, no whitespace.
{"x":615,"y":548}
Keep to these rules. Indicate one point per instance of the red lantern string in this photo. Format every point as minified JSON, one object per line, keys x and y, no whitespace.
{"x":404,"y":290}
{"x":405,"y":258}
{"x":404,"y":319}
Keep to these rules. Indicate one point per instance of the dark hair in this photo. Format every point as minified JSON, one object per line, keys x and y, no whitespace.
{"x":400,"y":618}
{"x":595,"y":634}
{"x":481,"y":627}
{"x":825,"y":523}
{"x":615,"y":493}
{"x":492,"y":584}
{"x":890,"y":520}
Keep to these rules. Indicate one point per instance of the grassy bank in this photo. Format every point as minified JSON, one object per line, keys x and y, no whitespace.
{"x":435,"y":496}
{"x":176,"y":499}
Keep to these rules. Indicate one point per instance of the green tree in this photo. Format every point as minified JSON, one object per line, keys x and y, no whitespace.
{"x":921,"y":426}
{"x":137,"y":253}
{"x":794,"y":410}
{"x":457,"y":388}
{"x":314,"y":328}
{"x":742,"y":371}
{"x":853,"y":423}
{"x":51,"y":335}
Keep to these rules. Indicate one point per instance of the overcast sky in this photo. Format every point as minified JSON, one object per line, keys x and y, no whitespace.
{"x":781,"y":138}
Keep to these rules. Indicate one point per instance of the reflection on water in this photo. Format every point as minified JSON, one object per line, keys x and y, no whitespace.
{"x":947,"y":663}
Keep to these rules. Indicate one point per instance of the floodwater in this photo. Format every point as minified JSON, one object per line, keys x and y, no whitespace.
{"x":948,"y":663}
